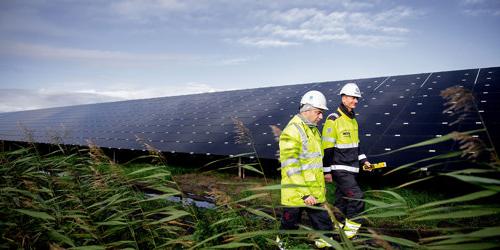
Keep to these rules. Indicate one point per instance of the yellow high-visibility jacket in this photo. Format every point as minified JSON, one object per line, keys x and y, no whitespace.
{"x":340,"y":142}
{"x":301,"y":163}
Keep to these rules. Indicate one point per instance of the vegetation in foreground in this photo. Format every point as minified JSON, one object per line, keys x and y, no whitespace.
{"x":81,"y":199}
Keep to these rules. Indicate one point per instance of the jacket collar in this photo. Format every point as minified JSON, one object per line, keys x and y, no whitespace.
{"x":346,"y":112}
{"x":307,"y":122}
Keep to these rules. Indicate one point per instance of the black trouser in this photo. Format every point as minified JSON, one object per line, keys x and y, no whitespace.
{"x":347,"y":187}
{"x":319,"y":218}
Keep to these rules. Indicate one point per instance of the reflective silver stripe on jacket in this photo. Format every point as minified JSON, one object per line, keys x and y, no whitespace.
{"x":328,"y":139}
{"x":327,"y":169}
{"x":346,"y":145}
{"x":303,"y":137}
{"x":333,"y":114}
{"x":344,"y":167}
{"x":288,"y":162}
{"x":361,"y":157}
{"x":310,"y":155}
{"x":303,"y":168}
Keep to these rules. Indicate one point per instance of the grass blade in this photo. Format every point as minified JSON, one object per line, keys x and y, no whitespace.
{"x":474,"y":179}
{"x":276,"y":187}
{"x":111,"y":223}
{"x":384,"y":214}
{"x":225,"y":220}
{"x":438,"y":157}
{"x":208,"y":239}
{"x":399,"y":241}
{"x":471,"y":246}
{"x":60,"y":238}
{"x":35,"y":214}
{"x":413,"y":182}
{"x":248,"y":167}
{"x":465,"y":213}
{"x":467,"y":197}
{"x":260,"y":213}
{"x":252,"y":197}
{"x":142,"y":170}
{"x":433,"y":141}
{"x":233,"y":245}
{"x":93,"y":247}
{"x":173,"y":215}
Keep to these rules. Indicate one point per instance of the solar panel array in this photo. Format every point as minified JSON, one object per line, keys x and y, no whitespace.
{"x":395,"y":111}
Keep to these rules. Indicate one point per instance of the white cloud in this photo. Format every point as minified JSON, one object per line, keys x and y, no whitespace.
{"x":23,"y":99}
{"x":481,"y":12}
{"x":306,"y":33}
{"x":480,"y":8}
{"x":293,"y":15}
{"x":473,"y":1}
{"x":139,"y":92}
{"x":115,"y":58}
{"x":143,"y":10}
{"x":27,"y":20}
{"x":298,"y":22}
{"x":265,"y":42}
{"x":355,"y":5}
{"x":235,"y":61}
{"x":45,"y":51}
{"x":128,"y":6}
{"x":298,"y":26}
{"x":375,"y":41}
{"x":396,"y":14}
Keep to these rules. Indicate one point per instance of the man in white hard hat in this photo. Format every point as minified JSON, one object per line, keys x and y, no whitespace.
{"x":302,"y":176}
{"x":343,"y":158}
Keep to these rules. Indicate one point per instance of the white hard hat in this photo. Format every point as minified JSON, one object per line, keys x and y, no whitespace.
{"x":315,"y":99}
{"x":351,"y":89}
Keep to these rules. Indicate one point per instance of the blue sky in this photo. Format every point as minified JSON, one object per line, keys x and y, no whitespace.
{"x":63,"y":52}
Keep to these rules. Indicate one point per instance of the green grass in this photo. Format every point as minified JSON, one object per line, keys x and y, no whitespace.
{"x":68,"y":200}
{"x":413,"y":199}
{"x":80,"y":198}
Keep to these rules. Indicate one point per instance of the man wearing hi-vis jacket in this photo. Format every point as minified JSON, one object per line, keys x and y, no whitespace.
{"x":343,"y":158}
{"x":302,"y":179}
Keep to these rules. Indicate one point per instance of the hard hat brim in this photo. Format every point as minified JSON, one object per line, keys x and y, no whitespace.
{"x":358,"y":96}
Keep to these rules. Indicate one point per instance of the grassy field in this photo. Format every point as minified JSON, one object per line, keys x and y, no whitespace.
{"x":80,"y":199}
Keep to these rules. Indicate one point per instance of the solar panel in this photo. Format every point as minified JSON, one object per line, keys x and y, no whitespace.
{"x":395,"y":111}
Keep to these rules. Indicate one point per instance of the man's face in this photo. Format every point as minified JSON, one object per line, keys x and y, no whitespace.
{"x":313,"y":115}
{"x":350,"y":101}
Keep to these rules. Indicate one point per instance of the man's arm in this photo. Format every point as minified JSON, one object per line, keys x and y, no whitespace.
{"x":290,"y":148}
{"x":362,"y":157}
{"x":327,"y":163}
{"x":328,"y":141}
